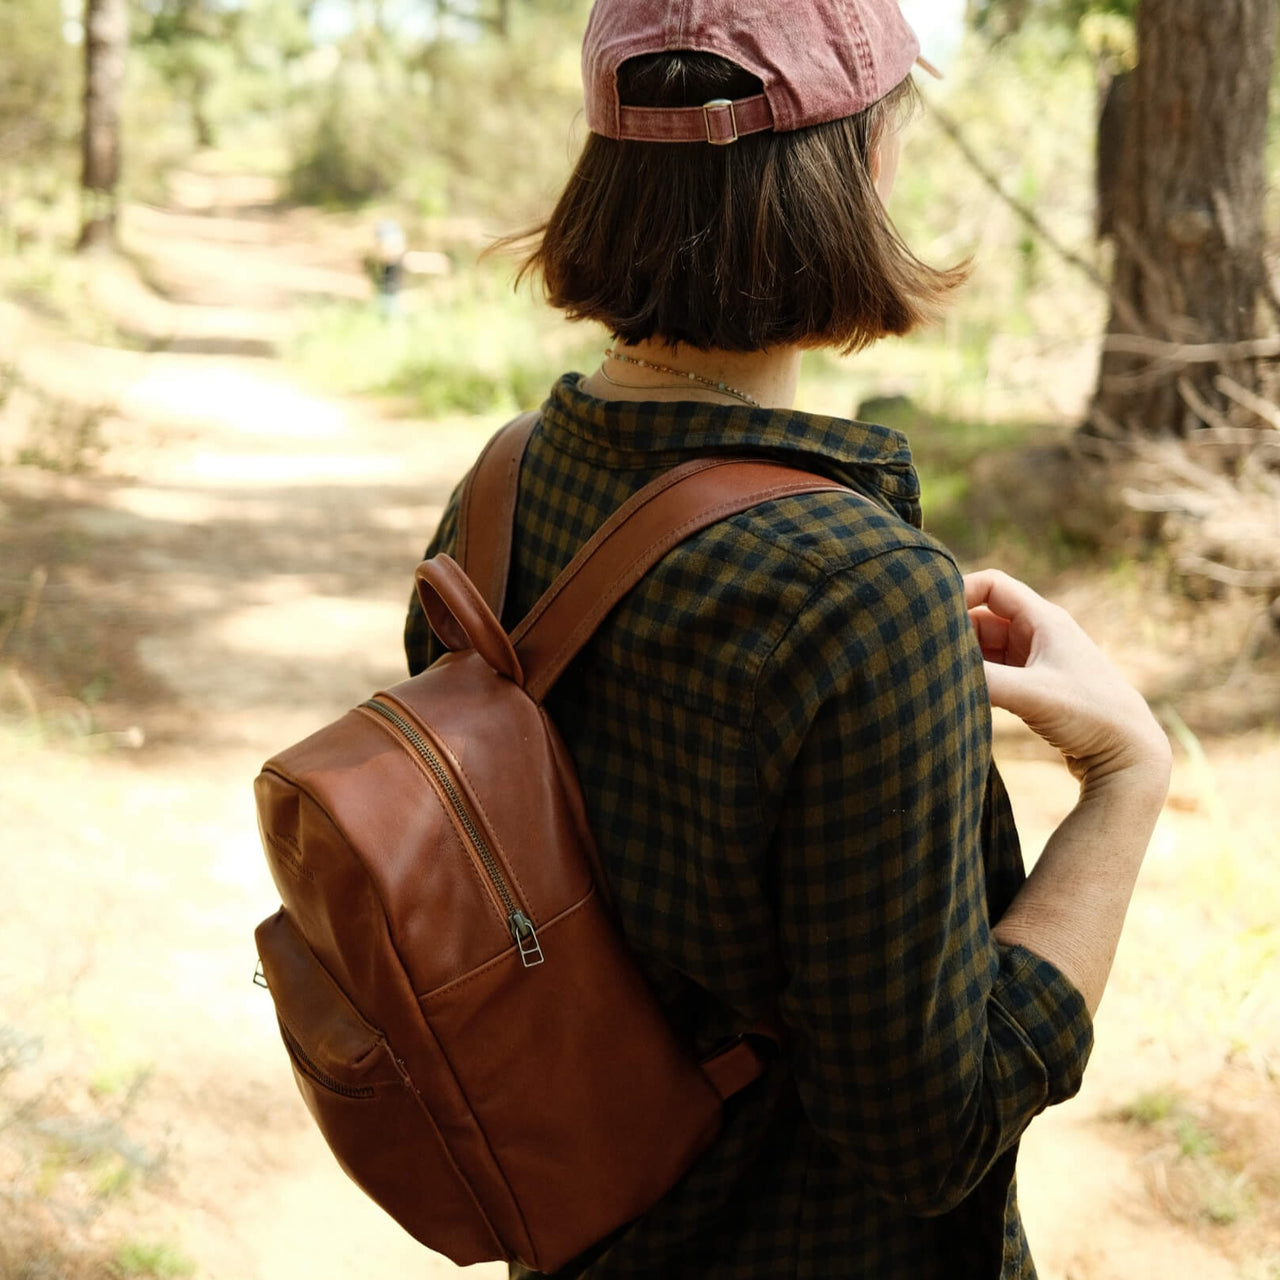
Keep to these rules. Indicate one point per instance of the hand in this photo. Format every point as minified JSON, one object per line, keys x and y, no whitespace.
{"x":1041,"y":666}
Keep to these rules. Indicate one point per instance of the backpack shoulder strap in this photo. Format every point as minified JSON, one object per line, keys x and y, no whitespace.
{"x":663,"y":514}
{"x":660,"y":516}
{"x":487,"y":509}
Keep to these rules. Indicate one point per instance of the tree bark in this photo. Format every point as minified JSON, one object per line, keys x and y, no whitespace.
{"x":1187,"y":215}
{"x":106,"y":37}
{"x":1110,"y":154}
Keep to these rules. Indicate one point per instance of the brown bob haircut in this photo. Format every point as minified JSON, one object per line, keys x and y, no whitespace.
{"x":777,"y":239}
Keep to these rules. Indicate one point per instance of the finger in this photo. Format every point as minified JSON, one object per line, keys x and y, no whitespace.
{"x":997,"y":685}
{"x":1009,"y":688}
{"x":978,"y":587}
{"x":982,"y":617}
{"x":992,"y":632}
{"x":1002,"y":594}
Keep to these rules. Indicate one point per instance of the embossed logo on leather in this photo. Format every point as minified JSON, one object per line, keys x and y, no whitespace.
{"x":290,"y":855}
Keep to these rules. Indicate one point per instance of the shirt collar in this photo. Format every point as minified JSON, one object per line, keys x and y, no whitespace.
{"x":657,"y":434}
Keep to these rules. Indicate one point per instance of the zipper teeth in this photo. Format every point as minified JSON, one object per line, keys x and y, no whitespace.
{"x":432,"y":761}
{"x":321,"y":1076}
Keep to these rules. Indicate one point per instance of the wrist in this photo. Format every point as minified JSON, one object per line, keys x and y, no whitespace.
{"x":1138,"y":750}
{"x":1139,"y":774}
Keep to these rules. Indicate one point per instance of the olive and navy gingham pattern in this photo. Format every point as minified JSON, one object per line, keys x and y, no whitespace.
{"x":783,"y":736}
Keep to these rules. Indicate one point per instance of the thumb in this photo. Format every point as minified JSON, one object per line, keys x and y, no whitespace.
{"x":1006,"y":687}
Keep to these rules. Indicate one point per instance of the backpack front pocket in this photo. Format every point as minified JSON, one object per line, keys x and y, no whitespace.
{"x":371,"y":1116}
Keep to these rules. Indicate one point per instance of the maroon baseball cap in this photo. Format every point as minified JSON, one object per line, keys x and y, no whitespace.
{"x":819,"y":60}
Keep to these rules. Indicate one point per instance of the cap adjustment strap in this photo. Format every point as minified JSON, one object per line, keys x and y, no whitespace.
{"x":722,"y":126}
{"x":720,"y":122}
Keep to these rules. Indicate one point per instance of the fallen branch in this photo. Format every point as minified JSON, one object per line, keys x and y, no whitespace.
{"x":1271,"y":275}
{"x":1141,"y":380}
{"x":1185,"y":353}
{"x":1163,"y":459}
{"x":1201,"y":407}
{"x":1237,"y":438}
{"x":1218,"y":516}
{"x":1108,"y":440}
{"x":1247,"y":399}
{"x":1250,"y":579}
{"x":1183,"y":504}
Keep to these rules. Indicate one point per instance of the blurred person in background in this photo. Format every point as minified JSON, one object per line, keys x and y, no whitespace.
{"x":392,"y":261}
{"x":388,"y":266}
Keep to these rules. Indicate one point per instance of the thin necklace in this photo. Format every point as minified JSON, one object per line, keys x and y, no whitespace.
{"x":722,"y":387}
{"x":636,"y":386}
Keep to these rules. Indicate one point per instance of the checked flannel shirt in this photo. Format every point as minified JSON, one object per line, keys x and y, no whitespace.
{"x":783,"y":737}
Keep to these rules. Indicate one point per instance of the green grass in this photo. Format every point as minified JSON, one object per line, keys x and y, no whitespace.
{"x":1228,"y":1204}
{"x":119,"y":1080}
{"x":147,"y":1258}
{"x":1151,"y":1108}
{"x":1214,"y":1177}
{"x":76,"y":1160}
{"x":30,"y":717}
{"x":1167,"y":1112}
{"x":1193,"y":1138}
{"x":464,"y":345}
{"x":112,"y":1177}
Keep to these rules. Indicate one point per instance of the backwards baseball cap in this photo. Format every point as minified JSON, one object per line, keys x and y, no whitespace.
{"x":818,"y":60}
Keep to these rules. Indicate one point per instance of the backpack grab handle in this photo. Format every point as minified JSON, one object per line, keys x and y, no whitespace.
{"x":460,"y":617}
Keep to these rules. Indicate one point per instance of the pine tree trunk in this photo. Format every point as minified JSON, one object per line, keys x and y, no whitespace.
{"x":106,"y":37}
{"x":1188,"y":215}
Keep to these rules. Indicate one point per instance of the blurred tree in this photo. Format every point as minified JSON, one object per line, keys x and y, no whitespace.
{"x":1188,"y":222}
{"x":1104,"y":29}
{"x":997,"y":19}
{"x":428,"y":103}
{"x":208,"y":73}
{"x":106,"y":38}
{"x":187,"y":40}
{"x":493,"y":15}
{"x":37,"y":83}
{"x":1109,"y":157}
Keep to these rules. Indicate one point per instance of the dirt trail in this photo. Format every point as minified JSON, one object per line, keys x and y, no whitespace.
{"x":240,"y":566}
{"x":234,"y":576}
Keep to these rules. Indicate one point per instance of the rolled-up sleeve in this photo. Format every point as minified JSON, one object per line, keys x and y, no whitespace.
{"x":922,"y":1048}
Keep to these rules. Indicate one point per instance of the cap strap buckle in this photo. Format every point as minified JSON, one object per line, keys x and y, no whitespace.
{"x":716,"y":134}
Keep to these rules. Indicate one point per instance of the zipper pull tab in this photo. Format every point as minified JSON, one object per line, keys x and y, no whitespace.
{"x":526,"y":937}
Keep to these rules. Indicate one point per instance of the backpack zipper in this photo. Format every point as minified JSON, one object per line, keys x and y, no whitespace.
{"x":318,"y":1074}
{"x":521,"y":927}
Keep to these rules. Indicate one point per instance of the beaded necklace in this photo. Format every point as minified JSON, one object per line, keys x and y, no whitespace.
{"x":722,"y":387}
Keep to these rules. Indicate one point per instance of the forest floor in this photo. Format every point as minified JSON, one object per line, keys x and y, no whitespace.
{"x":231,"y":572}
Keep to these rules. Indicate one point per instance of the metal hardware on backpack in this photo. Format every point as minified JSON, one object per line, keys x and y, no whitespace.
{"x":461,"y":1013}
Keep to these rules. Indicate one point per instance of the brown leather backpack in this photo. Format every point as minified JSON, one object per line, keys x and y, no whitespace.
{"x":462,"y":1016}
